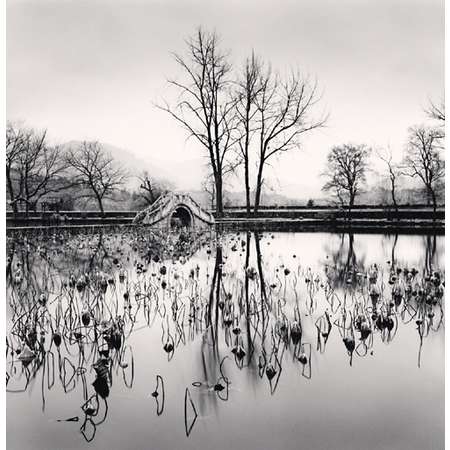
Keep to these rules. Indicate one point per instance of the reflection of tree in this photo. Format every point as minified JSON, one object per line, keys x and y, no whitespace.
{"x":394,"y":245}
{"x":430,"y":252}
{"x":351,"y":257}
{"x":387,"y":238}
{"x":248,"y":318}
{"x":100,"y":253}
{"x":214,"y":296}
{"x":260,"y":270}
{"x":343,"y":264}
{"x":213,"y":379}
{"x":240,"y":316}
{"x":264,"y":305}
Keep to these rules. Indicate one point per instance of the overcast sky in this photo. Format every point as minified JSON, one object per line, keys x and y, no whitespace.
{"x":91,"y":70}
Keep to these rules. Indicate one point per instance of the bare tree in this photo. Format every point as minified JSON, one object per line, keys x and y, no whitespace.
{"x":146,"y":188}
{"x":284,"y":115}
{"x":423,"y":159}
{"x":205,"y":106}
{"x":33,"y":168}
{"x":393,"y":172}
{"x":346,"y":172}
{"x":95,"y":172}
{"x":151,"y":189}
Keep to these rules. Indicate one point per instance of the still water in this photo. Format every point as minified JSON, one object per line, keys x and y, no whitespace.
{"x":256,"y":341}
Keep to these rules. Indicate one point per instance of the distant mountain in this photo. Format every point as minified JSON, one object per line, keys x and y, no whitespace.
{"x":185,"y":175}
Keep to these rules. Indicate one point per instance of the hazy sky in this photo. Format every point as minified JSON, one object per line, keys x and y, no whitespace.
{"x":91,"y":70}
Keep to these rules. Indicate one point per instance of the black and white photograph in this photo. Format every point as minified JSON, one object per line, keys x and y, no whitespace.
{"x":224,"y":224}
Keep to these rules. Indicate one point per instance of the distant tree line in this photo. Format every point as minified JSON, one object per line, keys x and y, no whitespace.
{"x":347,"y":166}
{"x":37,"y":173}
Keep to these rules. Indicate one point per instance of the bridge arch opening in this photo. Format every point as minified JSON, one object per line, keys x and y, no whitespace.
{"x":181,"y":217}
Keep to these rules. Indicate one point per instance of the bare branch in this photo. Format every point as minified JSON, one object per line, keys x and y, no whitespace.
{"x":95,"y":171}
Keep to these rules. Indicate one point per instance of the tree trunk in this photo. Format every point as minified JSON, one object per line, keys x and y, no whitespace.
{"x":27,"y":202}
{"x":100,"y":205}
{"x":219,"y":198}
{"x":26,"y":189}
{"x":433,"y":197}
{"x":246,"y":160}
{"x":428,"y":196}
{"x":394,"y":200}
{"x":350,"y":205}
{"x":11,"y":191}
{"x":259,"y":182}
{"x":247,"y":187}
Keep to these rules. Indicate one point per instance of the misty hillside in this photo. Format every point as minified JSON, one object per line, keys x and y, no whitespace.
{"x":189,"y":173}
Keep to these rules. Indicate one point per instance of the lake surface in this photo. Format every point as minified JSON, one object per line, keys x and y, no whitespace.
{"x":256,"y":341}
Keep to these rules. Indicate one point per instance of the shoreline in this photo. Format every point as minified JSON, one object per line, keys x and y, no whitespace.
{"x":362,"y":220}
{"x":264,"y":224}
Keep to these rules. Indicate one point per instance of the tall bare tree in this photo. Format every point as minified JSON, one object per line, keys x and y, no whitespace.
{"x":95,"y":172}
{"x":393,"y":173}
{"x":423,"y":159}
{"x":346,"y":172}
{"x":33,"y":168}
{"x":284,"y":115}
{"x":205,"y":106}
{"x":248,"y":87}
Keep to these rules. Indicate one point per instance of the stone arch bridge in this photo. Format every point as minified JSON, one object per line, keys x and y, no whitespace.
{"x":174,"y":210}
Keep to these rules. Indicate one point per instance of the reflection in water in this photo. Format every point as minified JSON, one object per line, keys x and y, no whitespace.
{"x":76,"y":301}
{"x":430,"y":252}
